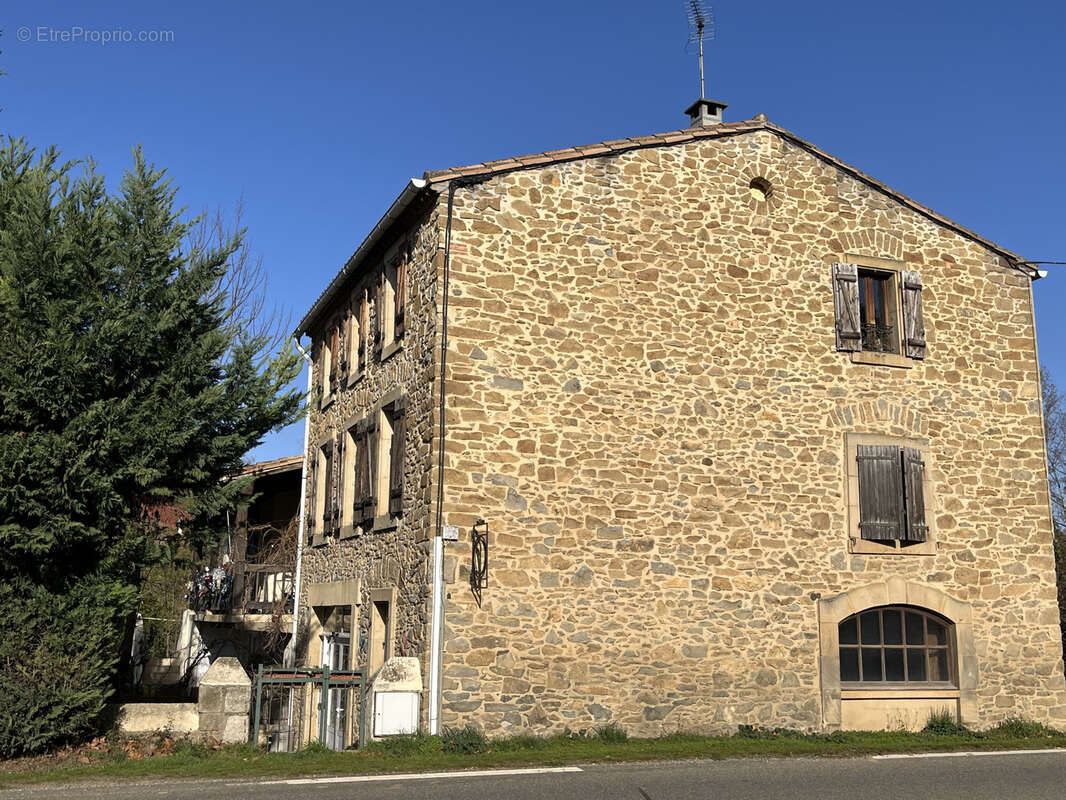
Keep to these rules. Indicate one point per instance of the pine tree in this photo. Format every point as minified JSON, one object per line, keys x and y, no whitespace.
{"x":126,"y":380}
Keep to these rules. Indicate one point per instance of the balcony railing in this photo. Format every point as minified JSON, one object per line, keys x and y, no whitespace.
{"x":879,"y":338}
{"x":243,"y":588}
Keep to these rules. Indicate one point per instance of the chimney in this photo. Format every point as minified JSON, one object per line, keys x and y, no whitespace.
{"x":705,"y":112}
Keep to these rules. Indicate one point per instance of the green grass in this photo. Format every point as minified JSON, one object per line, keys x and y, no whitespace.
{"x":468,"y":748}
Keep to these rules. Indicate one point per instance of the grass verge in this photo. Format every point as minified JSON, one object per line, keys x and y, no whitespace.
{"x":467,"y":748}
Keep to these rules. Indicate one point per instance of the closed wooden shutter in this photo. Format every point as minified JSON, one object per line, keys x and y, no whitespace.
{"x":914,"y":496}
{"x":846,"y":307}
{"x":379,"y":314}
{"x":913,"y":322}
{"x":372,"y":467}
{"x":364,"y":328}
{"x":401,"y":295}
{"x":399,"y":425}
{"x":880,"y":492}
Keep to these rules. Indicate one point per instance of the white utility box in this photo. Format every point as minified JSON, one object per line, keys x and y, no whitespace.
{"x":397,"y":689}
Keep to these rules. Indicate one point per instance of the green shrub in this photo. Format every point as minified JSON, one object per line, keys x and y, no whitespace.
{"x":1018,"y":728}
{"x":466,"y":740}
{"x":403,"y":746}
{"x":942,"y":723}
{"x":611,"y":733}
{"x":58,"y":653}
{"x":313,"y":748}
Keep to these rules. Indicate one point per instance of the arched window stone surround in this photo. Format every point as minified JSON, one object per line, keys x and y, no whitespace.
{"x":894,"y":591}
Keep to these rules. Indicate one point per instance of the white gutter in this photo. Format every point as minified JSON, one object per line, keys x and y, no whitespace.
{"x":289,"y":659}
{"x":436,"y":636}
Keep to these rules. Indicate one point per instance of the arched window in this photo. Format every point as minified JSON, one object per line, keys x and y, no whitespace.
{"x":897,"y":644}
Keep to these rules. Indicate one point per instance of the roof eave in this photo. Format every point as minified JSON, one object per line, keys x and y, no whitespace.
{"x":413,"y":189}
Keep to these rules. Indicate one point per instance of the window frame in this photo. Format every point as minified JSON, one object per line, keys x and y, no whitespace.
{"x":894,"y":271}
{"x":950,"y":649}
{"x":858,"y":545}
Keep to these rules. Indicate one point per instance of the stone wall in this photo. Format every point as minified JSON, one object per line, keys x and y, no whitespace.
{"x":646,"y":405}
{"x":395,"y":554}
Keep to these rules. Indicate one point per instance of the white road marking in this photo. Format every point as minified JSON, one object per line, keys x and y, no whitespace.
{"x":421,"y":776}
{"x":969,"y":753}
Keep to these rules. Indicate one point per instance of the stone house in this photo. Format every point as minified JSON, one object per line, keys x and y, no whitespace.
{"x":730,"y":431}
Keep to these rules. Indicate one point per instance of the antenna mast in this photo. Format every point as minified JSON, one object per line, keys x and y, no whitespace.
{"x":702,"y":20}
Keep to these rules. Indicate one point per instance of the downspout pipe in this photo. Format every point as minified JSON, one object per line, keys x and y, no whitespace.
{"x":437,"y":629}
{"x":289,"y":658}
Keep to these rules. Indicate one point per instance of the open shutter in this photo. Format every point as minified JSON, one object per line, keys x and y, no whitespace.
{"x":359,"y":502}
{"x":328,"y":495}
{"x":338,"y":492}
{"x":846,"y":306}
{"x":379,"y":314}
{"x":364,"y":329}
{"x":401,"y":297}
{"x":914,"y":497}
{"x":399,"y":425}
{"x":913,"y":322}
{"x":334,"y":357}
{"x":880,"y":492}
{"x":345,"y":345}
{"x":371,"y":509}
{"x":312,"y":500}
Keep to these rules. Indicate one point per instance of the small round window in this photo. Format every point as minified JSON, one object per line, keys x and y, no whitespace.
{"x":760,"y":189}
{"x":896,"y":644}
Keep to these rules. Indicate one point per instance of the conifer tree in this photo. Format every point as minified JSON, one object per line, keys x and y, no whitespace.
{"x":126,"y":381}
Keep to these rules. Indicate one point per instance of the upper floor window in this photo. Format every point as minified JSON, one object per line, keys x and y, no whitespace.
{"x":896,"y":644}
{"x":878,"y":310}
{"x":323,"y":517}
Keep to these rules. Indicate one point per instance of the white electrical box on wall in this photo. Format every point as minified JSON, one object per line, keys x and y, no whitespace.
{"x":451,"y":533}
{"x":395,"y":713}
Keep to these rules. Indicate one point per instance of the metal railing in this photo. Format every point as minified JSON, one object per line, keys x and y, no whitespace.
{"x":281,"y":702}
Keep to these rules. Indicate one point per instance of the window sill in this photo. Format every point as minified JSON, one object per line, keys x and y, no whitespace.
{"x":869,"y":691}
{"x":386,"y":522}
{"x":353,"y":379}
{"x":881,"y":359}
{"x":326,"y":401}
{"x":389,"y":350}
{"x":869,"y":548}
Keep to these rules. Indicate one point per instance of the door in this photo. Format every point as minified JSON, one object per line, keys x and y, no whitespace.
{"x":336,"y":654}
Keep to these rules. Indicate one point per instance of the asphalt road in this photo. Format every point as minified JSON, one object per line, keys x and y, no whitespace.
{"x":987,"y":777}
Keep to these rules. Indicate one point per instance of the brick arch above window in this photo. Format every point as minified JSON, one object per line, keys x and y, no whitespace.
{"x":895,"y":591}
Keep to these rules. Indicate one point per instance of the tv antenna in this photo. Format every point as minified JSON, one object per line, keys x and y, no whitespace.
{"x":702,"y":21}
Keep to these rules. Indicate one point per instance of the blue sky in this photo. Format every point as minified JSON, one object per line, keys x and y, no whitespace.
{"x":316,"y":114}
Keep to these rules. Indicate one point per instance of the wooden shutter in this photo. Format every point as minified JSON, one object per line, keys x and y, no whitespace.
{"x":880,"y":492}
{"x":913,"y":323}
{"x":400,"y":306}
{"x":345,"y":345}
{"x":396,"y":459}
{"x":379,"y":309}
{"x":846,"y":306}
{"x":338,"y":491}
{"x":371,"y":508}
{"x":359,"y":503}
{"x":312,"y":503}
{"x":328,"y":497}
{"x":364,"y":328}
{"x":334,"y":357}
{"x":914,"y":497}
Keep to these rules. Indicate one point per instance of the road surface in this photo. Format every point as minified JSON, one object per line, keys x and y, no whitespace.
{"x":1028,"y":776}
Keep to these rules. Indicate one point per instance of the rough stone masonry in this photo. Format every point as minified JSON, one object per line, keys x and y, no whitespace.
{"x":645,"y":403}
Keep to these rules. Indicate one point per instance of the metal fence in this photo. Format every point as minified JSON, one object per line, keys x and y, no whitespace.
{"x":294,"y":706}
